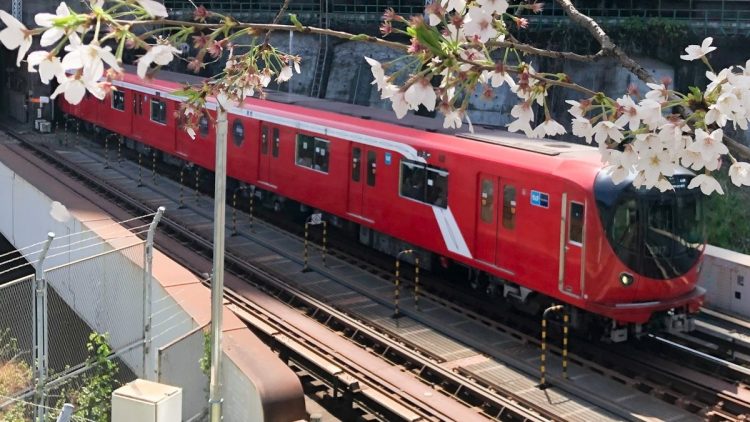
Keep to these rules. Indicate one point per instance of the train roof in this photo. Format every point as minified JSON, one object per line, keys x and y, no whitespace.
{"x":422,"y":132}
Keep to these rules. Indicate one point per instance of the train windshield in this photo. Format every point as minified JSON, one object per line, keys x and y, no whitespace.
{"x":657,"y":235}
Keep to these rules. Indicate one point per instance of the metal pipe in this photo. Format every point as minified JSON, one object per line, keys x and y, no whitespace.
{"x":149,"y":368}
{"x":217,"y":282}
{"x":543,"y":358}
{"x":41,"y":330}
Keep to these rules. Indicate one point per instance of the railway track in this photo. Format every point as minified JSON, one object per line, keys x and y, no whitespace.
{"x":378,"y":341}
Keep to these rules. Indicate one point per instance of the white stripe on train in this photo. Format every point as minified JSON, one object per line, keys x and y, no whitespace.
{"x":454,"y":240}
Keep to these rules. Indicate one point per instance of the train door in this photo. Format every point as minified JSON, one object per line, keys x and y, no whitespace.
{"x":264,"y":155}
{"x":572,"y":243}
{"x":369,"y":195}
{"x":140,"y":116}
{"x":356,"y":181}
{"x":506,"y":251}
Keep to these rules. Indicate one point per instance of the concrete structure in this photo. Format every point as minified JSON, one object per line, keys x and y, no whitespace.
{"x":256,"y":381}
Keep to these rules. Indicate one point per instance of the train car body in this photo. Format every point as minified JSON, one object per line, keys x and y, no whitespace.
{"x":725,"y":275}
{"x":528,"y":217}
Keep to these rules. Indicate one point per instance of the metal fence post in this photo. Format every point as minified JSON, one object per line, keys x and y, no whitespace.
{"x":119,"y":150}
{"x":40,"y":331}
{"x":416,"y":283}
{"x":149,"y":368}
{"x":140,"y":169}
{"x":305,"y":268}
{"x":106,"y":151}
{"x":153,"y":167}
{"x":325,"y":235}
{"x":543,"y":367}
{"x":252,"y":195}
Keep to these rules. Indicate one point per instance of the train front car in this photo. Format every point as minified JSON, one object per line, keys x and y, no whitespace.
{"x":648,"y":282}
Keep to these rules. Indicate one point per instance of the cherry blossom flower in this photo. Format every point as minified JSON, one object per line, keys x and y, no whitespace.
{"x":710,"y":146}
{"x":285,"y":74}
{"x":191,"y":132}
{"x":15,"y":35}
{"x":478,"y":23}
{"x":457,"y":5}
{"x":663,"y":185}
{"x":520,"y":125}
{"x":399,"y":104}
{"x":607,"y":130}
{"x":421,"y":92}
{"x":549,"y":127}
{"x":658,"y":92}
{"x":494,"y":6}
{"x":377,"y":72}
{"x":49,"y":66}
{"x":649,"y":111}
{"x":453,"y":118}
{"x":90,"y":58}
{"x":161,"y":54}
{"x":582,"y":128}
{"x":434,"y":12}
{"x":714,"y":115}
{"x":707,"y":184}
{"x":522,"y":111}
{"x":695,"y":52}
{"x":153,"y":8}
{"x":618,"y":173}
{"x":739,"y":172}
{"x":629,"y":113}
{"x":717,"y":79}
{"x":497,"y":77}
{"x":577,"y":109}
{"x":654,"y":163}
{"x":47,"y":20}
{"x":74,"y":88}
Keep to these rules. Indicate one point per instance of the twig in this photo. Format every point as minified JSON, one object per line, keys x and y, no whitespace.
{"x":277,"y":19}
{"x":562,"y":55}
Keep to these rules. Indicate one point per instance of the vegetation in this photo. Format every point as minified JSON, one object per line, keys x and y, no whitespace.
{"x":205,"y":361}
{"x":727,"y":221}
{"x":15,"y":377}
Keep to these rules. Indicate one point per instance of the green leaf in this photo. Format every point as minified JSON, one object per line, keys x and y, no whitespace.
{"x":296,"y":22}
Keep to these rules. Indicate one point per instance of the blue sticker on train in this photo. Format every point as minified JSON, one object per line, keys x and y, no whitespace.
{"x":539,"y":199}
{"x":387,"y":158}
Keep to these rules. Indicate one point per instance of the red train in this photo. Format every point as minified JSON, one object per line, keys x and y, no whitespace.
{"x":533,"y":221}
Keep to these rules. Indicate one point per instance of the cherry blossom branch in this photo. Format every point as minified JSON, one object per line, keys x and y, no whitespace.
{"x":608,"y":47}
{"x":535,"y":51}
{"x":258,"y":27}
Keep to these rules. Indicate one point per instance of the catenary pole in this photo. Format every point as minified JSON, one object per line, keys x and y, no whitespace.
{"x":217,"y":280}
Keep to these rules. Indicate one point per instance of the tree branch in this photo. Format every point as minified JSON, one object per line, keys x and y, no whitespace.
{"x":562,"y":55}
{"x":270,"y":27}
{"x":277,"y":19}
{"x":738,"y":150}
{"x":608,"y":47}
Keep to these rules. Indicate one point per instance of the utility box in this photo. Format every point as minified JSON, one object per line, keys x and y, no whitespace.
{"x":146,"y":401}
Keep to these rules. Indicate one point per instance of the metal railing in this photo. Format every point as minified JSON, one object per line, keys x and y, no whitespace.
{"x":733,"y":17}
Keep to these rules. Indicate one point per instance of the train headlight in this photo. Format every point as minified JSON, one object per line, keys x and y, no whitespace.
{"x":626,"y":279}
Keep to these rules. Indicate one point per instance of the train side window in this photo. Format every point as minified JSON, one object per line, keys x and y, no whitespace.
{"x":159,"y":111}
{"x":312,"y":152}
{"x":238,"y":132}
{"x":412,"y":180}
{"x":118,"y":100}
{"x":203,"y":125}
{"x":509,"y":206}
{"x":371,"y":167}
{"x":424,"y":183}
{"x":264,"y":140}
{"x":356,"y":164}
{"x":487,"y":201}
{"x":276,"y":141}
{"x":575,"y":232}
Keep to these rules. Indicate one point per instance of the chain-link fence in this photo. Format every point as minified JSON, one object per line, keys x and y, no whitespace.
{"x":47,"y":321}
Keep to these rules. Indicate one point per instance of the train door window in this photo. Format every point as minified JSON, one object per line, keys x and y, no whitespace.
{"x":159,"y":111}
{"x":487,"y":201}
{"x":276,"y":142}
{"x":264,"y":140}
{"x":575,"y":231}
{"x":238,"y":132}
{"x":321,"y":155}
{"x":203,"y":125}
{"x":356,"y":164}
{"x":371,"y":167}
{"x":118,"y":100}
{"x":509,"y":206}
